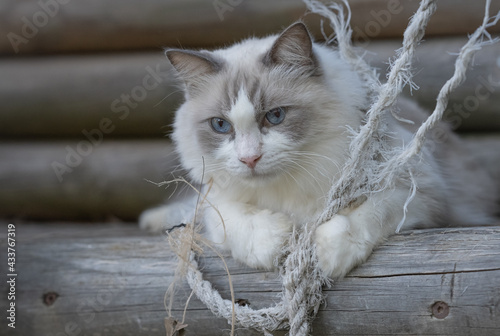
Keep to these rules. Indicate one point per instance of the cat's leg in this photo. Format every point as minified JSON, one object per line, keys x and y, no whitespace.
{"x":349,"y":238}
{"x":167,"y":216}
{"x":254,"y":236}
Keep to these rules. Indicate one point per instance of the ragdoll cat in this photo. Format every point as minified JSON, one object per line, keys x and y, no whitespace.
{"x":264,"y":124}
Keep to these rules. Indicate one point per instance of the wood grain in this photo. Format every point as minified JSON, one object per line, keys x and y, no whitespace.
{"x":63,"y":96}
{"x":93,"y":25}
{"x":111,"y":182}
{"x":111,"y":279}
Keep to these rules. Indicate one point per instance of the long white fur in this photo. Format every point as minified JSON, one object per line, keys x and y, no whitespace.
{"x":289,"y":184}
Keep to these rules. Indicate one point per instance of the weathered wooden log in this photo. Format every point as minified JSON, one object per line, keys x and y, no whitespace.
{"x":77,"y":180}
{"x":53,"y":26}
{"x":83,"y":180}
{"x":64,"y":96}
{"x":475,"y":105}
{"x":111,"y":280}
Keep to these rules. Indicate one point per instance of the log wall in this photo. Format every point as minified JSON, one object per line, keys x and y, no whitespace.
{"x":87,"y":99}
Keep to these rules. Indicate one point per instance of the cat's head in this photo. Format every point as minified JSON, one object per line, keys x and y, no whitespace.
{"x":263,"y":108}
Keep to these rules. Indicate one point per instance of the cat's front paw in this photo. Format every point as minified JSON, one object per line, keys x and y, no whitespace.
{"x":163,"y":218}
{"x":264,"y":245}
{"x":338,"y":248}
{"x":254,"y":237}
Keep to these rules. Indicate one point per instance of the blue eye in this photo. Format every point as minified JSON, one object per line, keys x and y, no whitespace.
{"x":276,"y":115}
{"x":220,"y":125}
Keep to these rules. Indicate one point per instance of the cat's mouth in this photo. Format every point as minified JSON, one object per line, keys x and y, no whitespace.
{"x":258,"y":174}
{"x":262,"y":171}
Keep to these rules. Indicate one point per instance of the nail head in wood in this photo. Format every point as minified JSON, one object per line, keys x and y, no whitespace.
{"x":440,"y":310}
{"x":49,"y":298}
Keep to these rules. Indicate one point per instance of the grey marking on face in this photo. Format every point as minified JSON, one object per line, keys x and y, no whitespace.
{"x":235,"y":82}
{"x":210,"y":140}
{"x":296,"y":124}
{"x":265,"y":91}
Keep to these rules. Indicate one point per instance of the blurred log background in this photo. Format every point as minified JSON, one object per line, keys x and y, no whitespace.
{"x":87,"y":97}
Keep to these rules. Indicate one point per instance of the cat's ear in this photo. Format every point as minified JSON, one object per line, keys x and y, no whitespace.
{"x":193,"y":67}
{"x":293,"y":48}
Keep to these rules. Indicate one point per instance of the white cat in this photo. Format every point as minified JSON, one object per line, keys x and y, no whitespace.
{"x":265,"y":124}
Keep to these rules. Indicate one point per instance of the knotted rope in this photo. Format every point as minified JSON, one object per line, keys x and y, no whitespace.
{"x":362,"y":175}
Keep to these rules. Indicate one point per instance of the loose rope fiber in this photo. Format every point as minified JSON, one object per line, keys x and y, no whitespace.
{"x":362,"y":175}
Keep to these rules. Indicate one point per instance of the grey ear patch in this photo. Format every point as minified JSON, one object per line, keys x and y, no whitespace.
{"x":190,"y":62}
{"x":193,"y":67}
{"x":293,"y":48}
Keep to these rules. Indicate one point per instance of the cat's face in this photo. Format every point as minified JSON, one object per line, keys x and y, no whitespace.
{"x":253,"y":111}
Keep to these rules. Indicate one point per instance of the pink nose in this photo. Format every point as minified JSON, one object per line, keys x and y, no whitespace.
{"x":251,"y":161}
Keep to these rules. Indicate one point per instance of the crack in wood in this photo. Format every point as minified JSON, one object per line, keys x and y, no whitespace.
{"x":452,"y":287}
{"x":421,"y":273}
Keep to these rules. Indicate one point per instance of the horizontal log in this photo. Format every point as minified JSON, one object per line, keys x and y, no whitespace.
{"x":111,"y":280}
{"x":475,"y":105}
{"x":65,"y":96}
{"x":68,"y":95}
{"x":54,"y":26}
{"x":71,"y":179}
{"x":76,"y":179}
